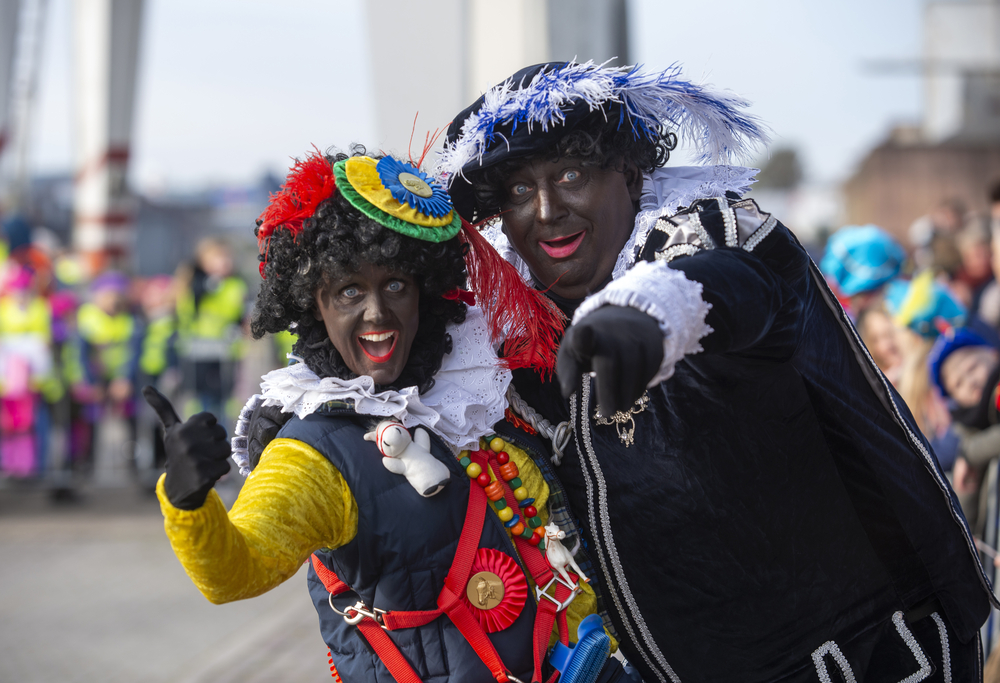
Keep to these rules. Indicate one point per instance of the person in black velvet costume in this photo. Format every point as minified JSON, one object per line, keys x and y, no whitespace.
{"x":758,"y":500}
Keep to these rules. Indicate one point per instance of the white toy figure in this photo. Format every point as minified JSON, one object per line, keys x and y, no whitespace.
{"x":558,"y":556}
{"x":410,"y":457}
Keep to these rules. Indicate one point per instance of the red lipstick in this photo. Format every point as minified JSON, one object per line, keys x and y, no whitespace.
{"x":564,"y":246}
{"x":378,"y":345}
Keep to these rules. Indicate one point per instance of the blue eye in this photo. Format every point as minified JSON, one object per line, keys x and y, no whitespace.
{"x":395,"y":286}
{"x":350,"y":292}
{"x":571,"y":175}
{"x":519,"y":189}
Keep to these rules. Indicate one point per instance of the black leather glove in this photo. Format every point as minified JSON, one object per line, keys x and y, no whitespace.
{"x":197,"y":452}
{"x":265,"y":423}
{"x":622,"y":345}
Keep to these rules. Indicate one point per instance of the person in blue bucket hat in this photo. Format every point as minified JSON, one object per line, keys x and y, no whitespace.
{"x":964,"y":367}
{"x":859,"y":260}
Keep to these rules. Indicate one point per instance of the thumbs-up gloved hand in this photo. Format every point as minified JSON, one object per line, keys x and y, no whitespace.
{"x":197,"y":452}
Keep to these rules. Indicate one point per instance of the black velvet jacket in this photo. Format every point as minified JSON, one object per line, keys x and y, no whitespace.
{"x":777,"y":495}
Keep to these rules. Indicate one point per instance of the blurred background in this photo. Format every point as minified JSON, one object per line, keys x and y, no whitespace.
{"x":139,"y":140}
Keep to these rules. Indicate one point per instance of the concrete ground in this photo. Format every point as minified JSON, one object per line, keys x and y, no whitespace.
{"x":91,"y":591}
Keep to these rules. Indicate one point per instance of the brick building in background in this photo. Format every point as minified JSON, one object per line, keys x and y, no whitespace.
{"x":955,"y":153}
{"x":904,"y":177}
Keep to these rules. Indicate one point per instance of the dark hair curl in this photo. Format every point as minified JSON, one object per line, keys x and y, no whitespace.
{"x":601,"y":139}
{"x":338,"y":239}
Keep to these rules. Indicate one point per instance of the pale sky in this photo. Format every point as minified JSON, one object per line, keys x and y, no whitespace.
{"x":230,"y":88}
{"x":802,"y":64}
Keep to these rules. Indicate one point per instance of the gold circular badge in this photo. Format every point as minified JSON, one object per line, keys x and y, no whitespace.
{"x":485,"y":590}
{"x":416,"y":185}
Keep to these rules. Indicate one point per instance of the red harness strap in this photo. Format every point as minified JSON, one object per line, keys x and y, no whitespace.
{"x":450,"y":601}
{"x":387,"y":651}
{"x":331,"y":582}
{"x":458,"y":576}
{"x":373,"y":633}
{"x":541,"y":573}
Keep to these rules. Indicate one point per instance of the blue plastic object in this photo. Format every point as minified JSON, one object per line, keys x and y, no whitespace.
{"x":583,"y":662}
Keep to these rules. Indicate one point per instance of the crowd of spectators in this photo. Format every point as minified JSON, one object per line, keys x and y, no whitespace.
{"x":928,"y":309}
{"x":75,"y":350}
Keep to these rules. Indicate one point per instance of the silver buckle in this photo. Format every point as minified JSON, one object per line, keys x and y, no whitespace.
{"x":360,"y":611}
{"x":540,"y":592}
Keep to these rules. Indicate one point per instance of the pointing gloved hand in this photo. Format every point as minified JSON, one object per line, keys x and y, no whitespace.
{"x":624,"y":348}
{"x":197,"y":452}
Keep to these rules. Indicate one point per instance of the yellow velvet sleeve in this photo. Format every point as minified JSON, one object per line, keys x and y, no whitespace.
{"x":531,"y":477}
{"x":295,"y":502}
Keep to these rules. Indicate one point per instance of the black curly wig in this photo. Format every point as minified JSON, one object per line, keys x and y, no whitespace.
{"x":599,"y":139}
{"x":336,"y":240}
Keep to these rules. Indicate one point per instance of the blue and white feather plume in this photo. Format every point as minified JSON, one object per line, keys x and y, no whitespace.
{"x":715,"y":122}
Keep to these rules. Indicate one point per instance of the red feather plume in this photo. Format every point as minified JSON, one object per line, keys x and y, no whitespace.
{"x":310,"y":182}
{"x":528,"y":322}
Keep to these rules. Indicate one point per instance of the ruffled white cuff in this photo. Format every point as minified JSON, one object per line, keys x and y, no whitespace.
{"x":668,"y":296}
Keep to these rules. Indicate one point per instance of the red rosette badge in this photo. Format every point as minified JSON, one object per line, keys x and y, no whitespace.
{"x":496,"y":590}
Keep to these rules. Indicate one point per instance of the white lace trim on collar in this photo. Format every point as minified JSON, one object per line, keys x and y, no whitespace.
{"x":663,"y":193}
{"x":467,"y":399}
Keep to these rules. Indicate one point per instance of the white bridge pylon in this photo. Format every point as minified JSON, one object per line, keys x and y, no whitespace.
{"x":106,"y":50}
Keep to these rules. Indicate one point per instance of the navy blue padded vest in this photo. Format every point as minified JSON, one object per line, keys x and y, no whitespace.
{"x":400,"y":557}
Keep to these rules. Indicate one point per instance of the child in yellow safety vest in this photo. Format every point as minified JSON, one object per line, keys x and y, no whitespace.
{"x":103,"y":373}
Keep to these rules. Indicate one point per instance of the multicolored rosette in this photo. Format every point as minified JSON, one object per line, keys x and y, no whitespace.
{"x":399,"y":196}
{"x":409,"y":185}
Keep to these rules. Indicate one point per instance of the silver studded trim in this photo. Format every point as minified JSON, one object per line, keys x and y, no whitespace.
{"x":670,"y":253}
{"x":662,"y":225}
{"x":830,"y":648}
{"x":945,"y":647}
{"x":699,"y":229}
{"x":744,"y":204}
{"x":729,"y":218}
{"x":600,"y":520}
{"x":760,"y":233}
{"x":925,"y":666}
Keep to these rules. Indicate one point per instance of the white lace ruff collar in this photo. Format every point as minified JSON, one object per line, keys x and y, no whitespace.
{"x":663,"y":192}
{"x":467,"y":399}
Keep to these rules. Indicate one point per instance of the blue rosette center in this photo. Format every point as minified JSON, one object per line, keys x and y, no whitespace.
{"x":411,"y":186}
